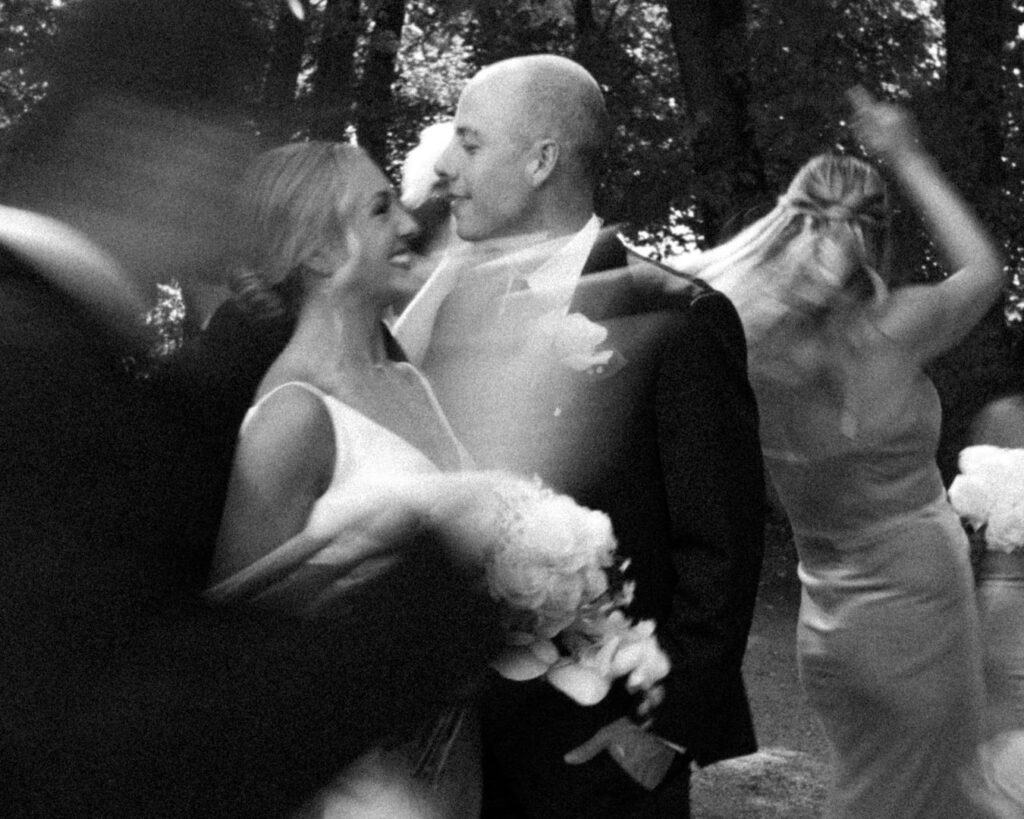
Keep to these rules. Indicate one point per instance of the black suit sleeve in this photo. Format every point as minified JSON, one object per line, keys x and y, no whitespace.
{"x":712,"y":468}
{"x":121,"y":693}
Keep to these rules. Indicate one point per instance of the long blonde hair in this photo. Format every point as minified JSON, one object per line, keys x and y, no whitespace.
{"x":832,"y":226}
{"x":290,"y":206}
{"x":805,"y":277}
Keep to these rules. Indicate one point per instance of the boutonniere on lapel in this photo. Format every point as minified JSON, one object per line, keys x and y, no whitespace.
{"x":574,"y":342}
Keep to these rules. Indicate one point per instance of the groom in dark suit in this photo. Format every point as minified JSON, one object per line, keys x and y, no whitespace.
{"x":557,"y":351}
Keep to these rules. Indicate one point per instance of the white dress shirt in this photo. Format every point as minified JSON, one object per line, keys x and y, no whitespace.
{"x":548,"y":269}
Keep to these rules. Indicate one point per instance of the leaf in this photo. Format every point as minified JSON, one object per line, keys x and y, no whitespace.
{"x":580,"y":683}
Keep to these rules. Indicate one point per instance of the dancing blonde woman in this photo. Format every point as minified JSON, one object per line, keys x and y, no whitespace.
{"x":888,"y":644}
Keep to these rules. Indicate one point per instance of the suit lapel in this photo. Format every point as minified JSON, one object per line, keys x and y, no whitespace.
{"x":605,"y":287}
{"x":602,"y":293}
{"x":608,"y":253}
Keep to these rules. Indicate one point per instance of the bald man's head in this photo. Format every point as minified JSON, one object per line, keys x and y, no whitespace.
{"x":529,"y":133}
{"x":551,"y":96}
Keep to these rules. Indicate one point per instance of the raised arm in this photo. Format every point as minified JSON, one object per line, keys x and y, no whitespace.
{"x":930,"y":319}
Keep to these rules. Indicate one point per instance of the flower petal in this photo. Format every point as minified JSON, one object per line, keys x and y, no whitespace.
{"x":519,"y":664}
{"x":545,"y":651}
{"x":580,"y":683}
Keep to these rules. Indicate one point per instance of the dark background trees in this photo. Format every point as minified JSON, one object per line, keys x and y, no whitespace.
{"x":716,"y":103}
{"x":25,"y":26}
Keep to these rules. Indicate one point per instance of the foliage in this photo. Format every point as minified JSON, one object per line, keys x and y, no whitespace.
{"x":796,"y":57}
{"x":25,"y":26}
{"x":435,"y":60}
{"x":167,"y":318}
{"x":886,"y":46}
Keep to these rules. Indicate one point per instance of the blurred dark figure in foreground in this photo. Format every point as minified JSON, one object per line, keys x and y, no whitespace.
{"x":122,"y":694}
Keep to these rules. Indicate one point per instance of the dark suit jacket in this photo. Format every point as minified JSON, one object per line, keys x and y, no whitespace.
{"x":122,"y":694}
{"x":663,"y":439}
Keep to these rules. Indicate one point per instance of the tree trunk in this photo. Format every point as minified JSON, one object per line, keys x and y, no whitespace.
{"x":708,"y":36}
{"x":977,"y":32}
{"x":376,"y":98}
{"x":282,"y":78}
{"x":333,"y":79}
{"x":594,"y":49}
{"x":586,"y":30}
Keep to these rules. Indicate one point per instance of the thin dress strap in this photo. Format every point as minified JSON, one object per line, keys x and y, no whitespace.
{"x":303,"y":384}
{"x":465,"y":460}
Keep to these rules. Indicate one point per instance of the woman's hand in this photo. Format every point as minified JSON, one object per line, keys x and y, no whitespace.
{"x":925,"y":321}
{"x":885,"y":129}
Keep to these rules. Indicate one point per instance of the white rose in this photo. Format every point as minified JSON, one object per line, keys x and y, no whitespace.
{"x":582,"y":683}
{"x":595,"y":582}
{"x":571,"y":340}
{"x":641,"y":659}
{"x":516,"y":581}
{"x":549,"y":526}
{"x":563,"y":596}
{"x":978,"y":459}
{"x":990,"y":493}
{"x":595,"y":531}
{"x":577,"y":341}
{"x":527,"y":662}
{"x":969,"y":497}
{"x":550,"y":624}
{"x":1005,"y":529}
{"x":587,"y":679}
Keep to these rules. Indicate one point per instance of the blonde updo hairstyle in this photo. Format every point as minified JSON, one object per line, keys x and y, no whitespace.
{"x":290,"y":207}
{"x":826,"y":242}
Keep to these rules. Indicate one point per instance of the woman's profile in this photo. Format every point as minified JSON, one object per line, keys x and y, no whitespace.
{"x":337,"y":417}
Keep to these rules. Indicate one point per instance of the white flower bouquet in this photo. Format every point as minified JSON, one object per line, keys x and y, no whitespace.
{"x":989,"y":495}
{"x":543,"y":557}
{"x":547,"y":560}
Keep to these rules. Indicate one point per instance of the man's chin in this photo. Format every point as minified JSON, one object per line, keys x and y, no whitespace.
{"x":468,"y":227}
{"x":469,"y":232}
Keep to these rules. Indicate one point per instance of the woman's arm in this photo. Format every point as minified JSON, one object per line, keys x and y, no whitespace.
{"x":930,"y":319}
{"x":284,"y":462}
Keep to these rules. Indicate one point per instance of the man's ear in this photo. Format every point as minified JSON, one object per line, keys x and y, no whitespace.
{"x":543,"y":159}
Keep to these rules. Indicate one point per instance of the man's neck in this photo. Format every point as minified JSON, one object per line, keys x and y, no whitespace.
{"x":565,"y":212}
{"x":551,"y":231}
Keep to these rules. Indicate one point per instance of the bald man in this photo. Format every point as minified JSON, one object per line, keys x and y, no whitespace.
{"x":656,"y":426}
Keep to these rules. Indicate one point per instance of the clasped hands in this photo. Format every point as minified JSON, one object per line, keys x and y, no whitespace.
{"x":643,"y":756}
